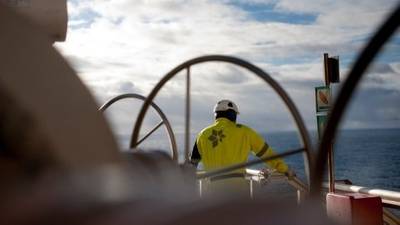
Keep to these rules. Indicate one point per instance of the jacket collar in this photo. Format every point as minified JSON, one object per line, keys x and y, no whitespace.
{"x":223,"y":120}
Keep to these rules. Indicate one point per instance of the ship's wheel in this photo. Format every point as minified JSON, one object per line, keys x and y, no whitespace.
{"x":306,"y":149}
{"x":164,"y":121}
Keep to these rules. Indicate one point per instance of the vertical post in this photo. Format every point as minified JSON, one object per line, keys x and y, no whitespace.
{"x":331,"y":169}
{"x":326,"y":69}
{"x":331,"y":172}
{"x":299,"y":197}
{"x":187,"y":115}
{"x":251,"y":188}
{"x":200,"y":187}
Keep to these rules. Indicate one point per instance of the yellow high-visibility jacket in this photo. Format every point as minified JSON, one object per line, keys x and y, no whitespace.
{"x":225,"y":143}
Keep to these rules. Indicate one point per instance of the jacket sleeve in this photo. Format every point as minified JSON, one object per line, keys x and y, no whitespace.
{"x":195,"y":157}
{"x":262,"y":149}
{"x":277,"y":164}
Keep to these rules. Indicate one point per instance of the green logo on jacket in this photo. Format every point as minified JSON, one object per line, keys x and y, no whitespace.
{"x":216,"y":137}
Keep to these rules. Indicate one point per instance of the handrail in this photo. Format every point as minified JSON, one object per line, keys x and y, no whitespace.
{"x":293,"y":181}
{"x":255,"y":175}
{"x":389,"y":197}
{"x":246,"y":164}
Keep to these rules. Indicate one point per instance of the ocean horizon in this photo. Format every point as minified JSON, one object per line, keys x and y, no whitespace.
{"x":366,"y":157}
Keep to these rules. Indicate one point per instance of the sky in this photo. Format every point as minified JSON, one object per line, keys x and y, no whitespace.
{"x":125,"y":46}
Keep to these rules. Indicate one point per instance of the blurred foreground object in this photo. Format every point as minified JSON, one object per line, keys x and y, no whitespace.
{"x":48,"y":119}
{"x":50,"y":15}
{"x":355,"y":209}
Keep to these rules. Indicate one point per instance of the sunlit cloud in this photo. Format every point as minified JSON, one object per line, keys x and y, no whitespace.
{"x":120,"y":46}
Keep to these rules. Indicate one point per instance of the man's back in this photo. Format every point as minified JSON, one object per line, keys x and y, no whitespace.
{"x":225,"y":143}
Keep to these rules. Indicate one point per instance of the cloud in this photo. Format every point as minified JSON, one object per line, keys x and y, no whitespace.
{"x":120,"y":46}
{"x":229,"y":74}
{"x":127,"y":87}
{"x":374,"y":108}
{"x":381,"y":68}
{"x":382,"y":76}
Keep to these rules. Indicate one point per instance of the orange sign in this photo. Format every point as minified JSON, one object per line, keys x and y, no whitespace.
{"x":322,"y":98}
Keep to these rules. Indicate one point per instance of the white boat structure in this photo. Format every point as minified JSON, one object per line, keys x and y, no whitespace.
{"x":59,"y":162}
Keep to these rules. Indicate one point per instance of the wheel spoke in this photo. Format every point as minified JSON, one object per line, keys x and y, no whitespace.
{"x":148,"y":134}
{"x":187,"y":115}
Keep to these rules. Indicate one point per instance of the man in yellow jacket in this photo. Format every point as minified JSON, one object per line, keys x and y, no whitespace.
{"x":225,"y":143}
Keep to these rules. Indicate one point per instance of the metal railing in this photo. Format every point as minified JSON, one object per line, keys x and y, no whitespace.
{"x":301,"y":188}
{"x":256,"y":176}
{"x":390,"y":199}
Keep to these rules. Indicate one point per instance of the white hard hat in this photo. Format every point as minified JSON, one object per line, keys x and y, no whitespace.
{"x":224,"y":105}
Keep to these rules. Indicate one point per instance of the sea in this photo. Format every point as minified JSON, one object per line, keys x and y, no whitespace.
{"x":367,"y":157}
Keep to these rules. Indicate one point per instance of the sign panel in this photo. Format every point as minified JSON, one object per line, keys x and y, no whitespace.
{"x":321,"y":121}
{"x":323,"y":98}
{"x":333,"y":69}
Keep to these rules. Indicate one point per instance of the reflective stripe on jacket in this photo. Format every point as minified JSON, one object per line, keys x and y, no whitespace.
{"x":225,"y":143}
